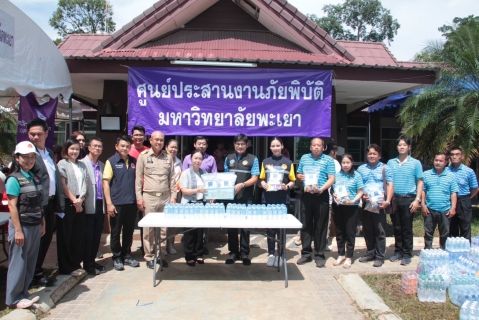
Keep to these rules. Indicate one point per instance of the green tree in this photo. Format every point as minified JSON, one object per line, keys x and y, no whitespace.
{"x":447,"y":113}
{"x":82,"y":16}
{"x":358,"y":20}
{"x":8,"y":130}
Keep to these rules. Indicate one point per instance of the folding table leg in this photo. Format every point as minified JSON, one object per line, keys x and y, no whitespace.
{"x":283,"y":242}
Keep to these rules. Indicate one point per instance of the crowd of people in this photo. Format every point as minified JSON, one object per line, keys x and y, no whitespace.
{"x":72,"y":190}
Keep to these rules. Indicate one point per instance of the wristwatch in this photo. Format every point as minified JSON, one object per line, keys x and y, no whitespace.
{"x":387,"y":202}
{"x":418,"y":200}
{"x":244,"y":185}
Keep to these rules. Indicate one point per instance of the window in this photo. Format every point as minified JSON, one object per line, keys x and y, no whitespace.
{"x":301,"y":147}
{"x":357,"y":143}
{"x":388,"y":143}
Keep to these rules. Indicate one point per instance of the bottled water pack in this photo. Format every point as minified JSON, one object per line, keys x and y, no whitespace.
{"x":409,"y":282}
{"x":457,"y":247}
{"x":469,"y":311}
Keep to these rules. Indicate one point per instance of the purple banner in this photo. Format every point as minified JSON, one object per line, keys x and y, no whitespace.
{"x":30,"y":109}
{"x":220,"y":101}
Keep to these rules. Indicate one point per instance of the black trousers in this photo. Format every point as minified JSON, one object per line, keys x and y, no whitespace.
{"x":374,"y":228}
{"x":345,"y":219}
{"x":124,"y":220}
{"x":49,"y":214}
{"x":93,"y":229}
{"x":70,"y":239}
{"x":433,"y":219}
{"x":402,"y":219}
{"x":193,"y":244}
{"x":460,"y":224}
{"x":243,"y":245}
{"x":315,"y":217}
{"x":272,"y":235}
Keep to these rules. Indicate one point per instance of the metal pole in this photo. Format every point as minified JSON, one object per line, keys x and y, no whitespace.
{"x":369,"y":129}
{"x":70,"y":114}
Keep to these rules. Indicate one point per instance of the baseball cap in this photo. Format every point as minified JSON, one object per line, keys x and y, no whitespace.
{"x":25,"y":147}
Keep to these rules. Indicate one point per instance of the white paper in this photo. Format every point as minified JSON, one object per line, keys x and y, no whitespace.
{"x":60,"y":214}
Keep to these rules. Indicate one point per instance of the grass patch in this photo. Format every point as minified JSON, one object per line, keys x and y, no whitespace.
{"x":408,"y":307}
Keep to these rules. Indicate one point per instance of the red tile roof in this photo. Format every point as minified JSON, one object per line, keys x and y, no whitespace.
{"x":80,"y":45}
{"x":370,"y":53}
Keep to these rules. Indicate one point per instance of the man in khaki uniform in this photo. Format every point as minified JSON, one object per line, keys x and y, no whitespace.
{"x":155,"y":168}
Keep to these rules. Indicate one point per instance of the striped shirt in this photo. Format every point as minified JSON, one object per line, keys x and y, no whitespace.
{"x":324,"y":163}
{"x":352,"y":182}
{"x":405,"y":175}
{"x":254,"y":167}
{"x":465,"y":177}
{"x":375,"y":175}
{"x":439,"y":188}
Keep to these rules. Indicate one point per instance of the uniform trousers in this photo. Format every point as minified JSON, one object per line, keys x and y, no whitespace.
{"x":315,"y":217}
{"x":124,"y":220}
{"x":345,"y":219}
{"x":402,"y":219}
{"x":433,"y":219}
{"x":374,"y":227}
{"x":70,"y":239}
{"x":93,"y":229}
{"x":460,"y":224}
{"x":49,"y":215}
{"x":22,"y":262}
{"x":154,"y":204}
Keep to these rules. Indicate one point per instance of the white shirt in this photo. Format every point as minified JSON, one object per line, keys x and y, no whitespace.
{"x":50,"y":164}
{"x":78,"y":175}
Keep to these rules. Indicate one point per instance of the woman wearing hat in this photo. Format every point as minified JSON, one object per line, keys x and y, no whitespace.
{"x":26,"y":225}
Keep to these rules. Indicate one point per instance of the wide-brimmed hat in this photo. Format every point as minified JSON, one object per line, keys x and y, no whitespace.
{"x":25,"y":147}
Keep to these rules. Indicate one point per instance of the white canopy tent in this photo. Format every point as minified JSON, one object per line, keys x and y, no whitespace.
{"x":29,"y":60}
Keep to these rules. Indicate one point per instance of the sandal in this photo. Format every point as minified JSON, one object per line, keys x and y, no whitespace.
{"x":347,"y":263}
{"x":191,"y":263}
{"x":339,"y":261}
{"x":200,"y":260}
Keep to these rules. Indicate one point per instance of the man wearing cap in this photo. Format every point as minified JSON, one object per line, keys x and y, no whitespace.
{"x":460,"y":223}
{"x":46,"y":170}
{"x":155,"y":186}
{"x":209,"y":165}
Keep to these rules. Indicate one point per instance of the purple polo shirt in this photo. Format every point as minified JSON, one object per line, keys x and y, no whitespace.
{"x":98,"y":179}
{"x":208,"y":164}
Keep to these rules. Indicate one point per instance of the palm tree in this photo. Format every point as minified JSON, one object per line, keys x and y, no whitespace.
{"x":447,"y":113}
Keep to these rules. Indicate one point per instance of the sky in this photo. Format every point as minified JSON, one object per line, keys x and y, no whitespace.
{"x":419,"y":19}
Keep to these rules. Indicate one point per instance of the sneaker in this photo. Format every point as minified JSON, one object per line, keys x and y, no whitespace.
{"x":246,"y":259}
{"x":329,"y":248}
{"x":405,"y":261}
{"x":24,"y":304}
{"x":366,"y":258}
{"x":276,"y":262}
{"x":396,"y":257}
{"x":304,"y":260}
{"x":270,"y":261}
{"x":170,"y":249}
{"x":378,"y":263}
{"x":118,"y":264}
{"x":232,"y":259}
{"x":129,"y":261}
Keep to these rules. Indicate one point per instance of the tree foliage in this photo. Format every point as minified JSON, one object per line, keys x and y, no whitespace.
{"x":358,"y":20}
{"x":82,"y":16}
{"x":447,"y":113}
{"x":8,"y":130}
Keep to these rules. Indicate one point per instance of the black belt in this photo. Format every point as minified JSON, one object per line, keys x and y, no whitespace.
{"x":199,"y":201}
{"x":405,"y":195}
{"x":464,"y":196}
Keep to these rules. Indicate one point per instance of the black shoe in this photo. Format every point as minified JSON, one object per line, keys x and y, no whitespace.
{"x":378,"y":263}
{"x":150,"y":264}
{"x":304,"y":260}
{"x":99,"y":267}
{"x":232,"y":259}
{"x":191,"y":263}
{"x":206,"y":251}
{"x":92,"y":271}
{"x":43,"y":282}
{"x":320,"y":263}
{"x":246,"y":259}
{"x":366,"y":259}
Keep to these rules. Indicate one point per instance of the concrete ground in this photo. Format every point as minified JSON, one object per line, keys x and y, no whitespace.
{"x":216,"y":290}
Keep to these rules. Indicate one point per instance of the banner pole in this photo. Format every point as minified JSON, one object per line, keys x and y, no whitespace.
{"x":70,"y":114}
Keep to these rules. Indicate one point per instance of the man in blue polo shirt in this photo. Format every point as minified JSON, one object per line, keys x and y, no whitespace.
{"x":460,"y":224}
{"x":440,"y":194}
{"x":408,"y":183}
{"x":315,"y":201}
{"x":377,"y":179}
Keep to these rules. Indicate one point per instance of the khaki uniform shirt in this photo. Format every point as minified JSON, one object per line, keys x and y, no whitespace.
{"x":156,"y":173}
